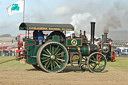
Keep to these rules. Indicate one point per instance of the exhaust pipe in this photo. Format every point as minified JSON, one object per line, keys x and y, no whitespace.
{"x":92,"y":32}
{"x":104,"y":38}
{"x":105,"y":34}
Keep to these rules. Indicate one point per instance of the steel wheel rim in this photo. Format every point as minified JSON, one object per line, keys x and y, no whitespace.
{"x":95,"y":63}
{"x":53,"y":57}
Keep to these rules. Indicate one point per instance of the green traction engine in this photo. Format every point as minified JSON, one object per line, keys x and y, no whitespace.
{"x":53,"y":52}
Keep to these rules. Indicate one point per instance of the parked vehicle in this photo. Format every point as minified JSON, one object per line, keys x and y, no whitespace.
{"x":106,"y":48}
{"x":20,"y":44}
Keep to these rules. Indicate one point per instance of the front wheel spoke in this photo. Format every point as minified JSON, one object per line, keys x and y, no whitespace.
{"x":45,"y":60}
{"x":57,"y":64}
{"x":94,"y":66}
{"x":97,"y":57}
{"x":92,"y":60}
{"x":48,"y":51}
{"x":45,"y":55}
{"x":60,"y":59}
{"x":101,"y":64}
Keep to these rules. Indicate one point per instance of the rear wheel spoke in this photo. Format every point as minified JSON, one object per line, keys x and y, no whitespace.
{"x":57,"y":64}
{"x":53,"y":50}
{"x":46,"y":63}
{"x":60,"y":59}
{"x":48,"y":52}
{"x":45,"y":55}
{"x":60,"y":53}
{"x":57,"y":51}
{"x":49,"y":64}
{"x":45,"y":60}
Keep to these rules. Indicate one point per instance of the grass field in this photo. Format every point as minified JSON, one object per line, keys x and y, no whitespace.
{"x":14,"y":73}
{"x":120,"y":64}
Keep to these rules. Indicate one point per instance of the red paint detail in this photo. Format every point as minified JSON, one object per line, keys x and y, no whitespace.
{"x":20,"y":43}
{"x":99,"y":57}
{"x":113,"y":56}
{"x":18,"y":51}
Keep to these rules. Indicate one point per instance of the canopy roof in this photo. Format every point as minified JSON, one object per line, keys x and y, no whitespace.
{"x":46,"y":27}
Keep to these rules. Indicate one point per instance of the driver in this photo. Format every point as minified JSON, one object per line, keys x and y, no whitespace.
{"x":40,"y":37}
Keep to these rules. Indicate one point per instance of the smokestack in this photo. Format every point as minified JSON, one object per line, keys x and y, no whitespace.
{"x":105,"y":36}
{"x":92,"y":32}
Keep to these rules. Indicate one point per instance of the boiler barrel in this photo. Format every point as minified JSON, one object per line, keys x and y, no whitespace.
{"x":85,"y":49}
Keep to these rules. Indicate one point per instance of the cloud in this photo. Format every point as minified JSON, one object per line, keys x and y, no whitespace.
{"x":82,"y":21}
{"x":7,"y":27}
{"x":113,"y":16}
{"x":61,"y":11}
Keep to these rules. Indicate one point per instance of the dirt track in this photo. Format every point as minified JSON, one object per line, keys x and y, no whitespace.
{"x":27,"y":75}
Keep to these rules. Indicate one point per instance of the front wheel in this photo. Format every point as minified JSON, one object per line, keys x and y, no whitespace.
{"x":52,"y":57}
{"x":96,"y":62}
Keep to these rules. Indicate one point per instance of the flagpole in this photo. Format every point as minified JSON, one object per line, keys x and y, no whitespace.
{"x":24,"y":11}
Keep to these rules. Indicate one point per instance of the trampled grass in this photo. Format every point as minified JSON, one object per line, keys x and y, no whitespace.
{"x":121,"y":63}
{"x":13,"y":63}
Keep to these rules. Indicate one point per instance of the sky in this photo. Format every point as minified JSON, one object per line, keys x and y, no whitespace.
{"x":109,"y":15}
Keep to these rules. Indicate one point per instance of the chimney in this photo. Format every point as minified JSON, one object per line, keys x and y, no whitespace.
{"x":92,"y":32}
{"x":105,"y":37}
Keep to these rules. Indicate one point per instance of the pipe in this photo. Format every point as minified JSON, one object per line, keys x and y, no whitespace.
{"x":105,"y":36}
{"x":84,"y":33}
{"x":92,"y":32}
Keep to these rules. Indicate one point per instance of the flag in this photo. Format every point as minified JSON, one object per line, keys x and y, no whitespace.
{"x":16,"y":7}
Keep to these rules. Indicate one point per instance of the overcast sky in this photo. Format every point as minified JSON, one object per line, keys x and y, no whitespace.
{"x":110,"y":15}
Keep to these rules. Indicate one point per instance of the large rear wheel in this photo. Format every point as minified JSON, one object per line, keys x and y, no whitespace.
{"x":52,"y":57}
{"x":96,"y":62}
{"x":36,"y":67}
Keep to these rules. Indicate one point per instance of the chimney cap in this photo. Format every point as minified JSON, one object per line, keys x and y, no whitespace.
{"x":93,"y":22}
